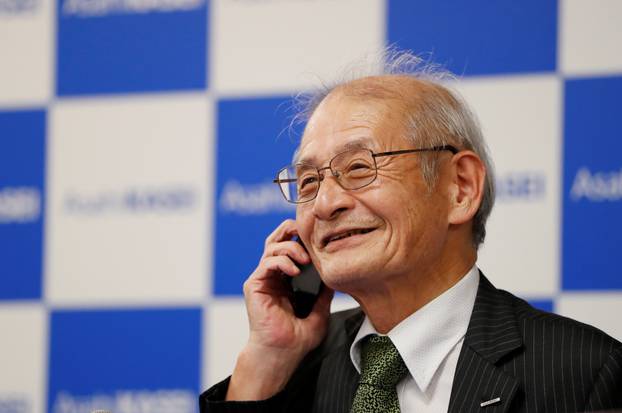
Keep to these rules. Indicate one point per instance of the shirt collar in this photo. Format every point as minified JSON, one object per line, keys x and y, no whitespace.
{"x":427,"y":336}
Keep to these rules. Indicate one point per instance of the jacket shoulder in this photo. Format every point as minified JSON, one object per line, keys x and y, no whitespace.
{"x":558,"y":364}
{"x":564,"y":346}
{"x":535,"y":323}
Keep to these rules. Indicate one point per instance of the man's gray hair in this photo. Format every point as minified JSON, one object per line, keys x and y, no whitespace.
{"x":436,"y":116}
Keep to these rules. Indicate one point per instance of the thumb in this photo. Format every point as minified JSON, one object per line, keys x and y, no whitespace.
{"x":321,"y":308}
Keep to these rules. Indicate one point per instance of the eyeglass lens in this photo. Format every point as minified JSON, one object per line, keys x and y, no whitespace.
{"x":353,"y":170}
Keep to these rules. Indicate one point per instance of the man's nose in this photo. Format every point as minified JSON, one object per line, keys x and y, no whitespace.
{"x":331,"y":199}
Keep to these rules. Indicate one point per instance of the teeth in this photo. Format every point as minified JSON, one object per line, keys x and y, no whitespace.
{"x":348,"y":234}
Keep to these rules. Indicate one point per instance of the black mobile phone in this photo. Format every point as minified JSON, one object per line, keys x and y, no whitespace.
{"x":306,"y":287}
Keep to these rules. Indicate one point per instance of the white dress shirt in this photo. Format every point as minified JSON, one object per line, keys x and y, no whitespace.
{"x":429,"y":341}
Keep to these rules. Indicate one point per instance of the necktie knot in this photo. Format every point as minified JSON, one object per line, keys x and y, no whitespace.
{"x":382,"y":365}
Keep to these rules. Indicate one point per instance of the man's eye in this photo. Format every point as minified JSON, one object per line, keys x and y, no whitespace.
{"x":305,"y":181}
{"x":358,"y":167}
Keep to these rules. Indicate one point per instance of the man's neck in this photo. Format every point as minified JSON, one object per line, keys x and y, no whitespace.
{"x":388,"y":304}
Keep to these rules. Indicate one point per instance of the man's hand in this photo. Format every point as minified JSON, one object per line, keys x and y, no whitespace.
{"x":278,"y":340}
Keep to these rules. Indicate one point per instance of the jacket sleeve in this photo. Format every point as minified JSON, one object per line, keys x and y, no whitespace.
{"x":607,"y":390}
{"x":213,"y":401}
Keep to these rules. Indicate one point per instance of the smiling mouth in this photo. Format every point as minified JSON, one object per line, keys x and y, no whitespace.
{"x":346,"y":234}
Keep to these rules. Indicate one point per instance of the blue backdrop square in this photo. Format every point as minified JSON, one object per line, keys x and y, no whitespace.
{"x":97,"y":353}
{"x":543,"y":304}
{"x":117,"y":51}
{"x":22,"y":196}
{"x":478,"y":37}
{"x":254,"y":142}
{"x":592,"y":197}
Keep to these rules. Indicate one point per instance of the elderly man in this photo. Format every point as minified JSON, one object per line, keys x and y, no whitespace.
{"x":393,"y":187}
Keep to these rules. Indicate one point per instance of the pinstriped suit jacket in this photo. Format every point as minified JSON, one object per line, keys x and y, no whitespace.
{"x":533,"y":361}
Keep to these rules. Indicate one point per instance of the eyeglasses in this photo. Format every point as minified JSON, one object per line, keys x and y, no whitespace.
{"x":353,"y":169}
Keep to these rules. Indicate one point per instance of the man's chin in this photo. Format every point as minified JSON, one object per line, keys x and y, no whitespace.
{"x":350,"y":267}
{"x":344,"y":278}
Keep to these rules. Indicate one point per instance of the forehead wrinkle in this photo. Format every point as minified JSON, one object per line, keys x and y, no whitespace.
{"x":363,"y":120}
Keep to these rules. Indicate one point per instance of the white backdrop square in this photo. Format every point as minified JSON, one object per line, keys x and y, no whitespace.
{"x":127,"y":189}
{"x":600,"y":309}
{"x":221,"y":330}
{"x":521,"y":121}
{"x":286,"y":45}
{"x":590,"y":37}
{"x":26,"y":54}
{"x":23,"y":358}
{"x":130,"y":188}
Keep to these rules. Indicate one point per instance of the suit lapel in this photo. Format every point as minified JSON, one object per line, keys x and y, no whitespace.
{"x":491,"y":336}
{"x":338,"y":379}
{"x":479,"y":386}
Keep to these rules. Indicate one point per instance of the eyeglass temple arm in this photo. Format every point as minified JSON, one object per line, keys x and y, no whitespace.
{"x":449,"y":148}
{"x":278,"y":181}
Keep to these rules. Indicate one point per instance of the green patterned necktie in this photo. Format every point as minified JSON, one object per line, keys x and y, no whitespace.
{"x":382,"y":368}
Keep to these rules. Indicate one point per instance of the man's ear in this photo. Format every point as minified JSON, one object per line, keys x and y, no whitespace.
{"x":468,"y":174}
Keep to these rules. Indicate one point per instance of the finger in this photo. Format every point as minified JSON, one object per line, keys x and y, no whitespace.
{"x":322,"y":305}
{"x":271,"y":267}
{"x":285,"y":231}
{"x":290,"y":248}
{"x":275,"y":286}
{"x":270,"y":276}
{"x":321,"y":308}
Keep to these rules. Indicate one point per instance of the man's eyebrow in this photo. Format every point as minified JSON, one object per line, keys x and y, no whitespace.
{"x":358,"y":143}
{"x":361,"y":143}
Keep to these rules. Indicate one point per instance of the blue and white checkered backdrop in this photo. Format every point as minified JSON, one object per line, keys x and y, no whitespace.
{"x":138,"y":139}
